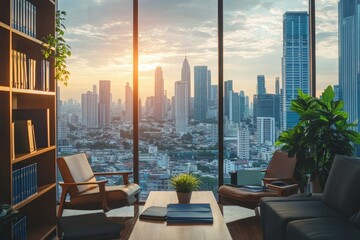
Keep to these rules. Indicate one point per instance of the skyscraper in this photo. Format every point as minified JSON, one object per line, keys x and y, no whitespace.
{"x":265,"y":130}
{"x":104,"y":103}
{"x":159,"y":107}
{"x":349,"y":58}
{"x":228,"y":88}
{"x":128,"y":103}
{"x":186,"y":77}
{"x":181,"y":106}
{"x":200,"y":89}
{"x":89,"y":109}
{"x":295,"y":62}
{"x":261,"y":85}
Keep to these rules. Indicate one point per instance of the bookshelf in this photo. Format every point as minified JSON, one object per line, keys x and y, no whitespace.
{"x":27,"y":92}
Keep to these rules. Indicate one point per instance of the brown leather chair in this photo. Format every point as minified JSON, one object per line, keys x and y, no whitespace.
{"x":281,"y":168}
{"x":88,"y":193}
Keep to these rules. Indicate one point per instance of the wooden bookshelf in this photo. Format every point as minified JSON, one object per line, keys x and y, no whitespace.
{"x":40,"y":206}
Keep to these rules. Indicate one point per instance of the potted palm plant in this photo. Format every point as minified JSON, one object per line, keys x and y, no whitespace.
{"x":322,"y":132}
{"x":184,"y":184}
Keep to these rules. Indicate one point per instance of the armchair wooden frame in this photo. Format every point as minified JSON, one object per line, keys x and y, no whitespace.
{"x":97,"y":194}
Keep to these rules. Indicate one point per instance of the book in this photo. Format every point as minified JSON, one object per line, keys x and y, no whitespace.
{"x":154,"y":213}
{"x":23,"y":136}
{"x":40,"y":119}
{"x":195,"y":213}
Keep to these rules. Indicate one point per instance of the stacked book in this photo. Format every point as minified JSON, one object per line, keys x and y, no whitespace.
{"x":24,"y":137}
{"x":24,"y":183}
{"x":19,"y":229}
{"x":189,"y":213}
{"x":24,"y":17}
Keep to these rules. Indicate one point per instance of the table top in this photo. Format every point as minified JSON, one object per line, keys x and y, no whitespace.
{"x":145,"y":229}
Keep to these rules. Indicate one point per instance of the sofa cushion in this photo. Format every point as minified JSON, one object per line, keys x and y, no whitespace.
{"x":278,"y":214}
{"x":355,"y":219}
{"x":341,"y":190}
{"x":329,"y":228}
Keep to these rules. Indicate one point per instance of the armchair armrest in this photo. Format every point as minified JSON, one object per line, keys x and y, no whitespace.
{"x":284,"y":191}
{"x":268,"y":180}
{"x":125,"y":175}
{"x":65,"y":189}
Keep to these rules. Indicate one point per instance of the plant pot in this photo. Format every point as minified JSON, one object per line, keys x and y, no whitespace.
{"x":184,"y":197}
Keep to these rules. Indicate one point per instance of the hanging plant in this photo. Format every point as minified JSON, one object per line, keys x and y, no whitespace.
{"x":56,"y":47}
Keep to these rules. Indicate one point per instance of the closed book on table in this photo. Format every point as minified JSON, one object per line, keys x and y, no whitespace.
{"x":154,"y":213}
{"x":189,"y":213}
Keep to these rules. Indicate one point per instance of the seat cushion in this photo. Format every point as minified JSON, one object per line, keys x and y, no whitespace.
{"x":330,"y":228}
{"x":278,"y":214}
{"x":341,"y":190}
{"x":89,"y":226}
{"x":113,"y":194}
{"x":243,"y":195}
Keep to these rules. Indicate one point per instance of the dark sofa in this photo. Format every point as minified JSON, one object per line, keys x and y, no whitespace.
{"x":333,"y":215}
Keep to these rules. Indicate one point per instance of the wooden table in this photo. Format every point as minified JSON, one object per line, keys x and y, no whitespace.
{"x":161,"y":230}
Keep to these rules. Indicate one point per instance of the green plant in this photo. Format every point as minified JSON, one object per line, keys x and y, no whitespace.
{"x":322,"y":132}
{"x":185,"y":183}
{"x":55,"y":47}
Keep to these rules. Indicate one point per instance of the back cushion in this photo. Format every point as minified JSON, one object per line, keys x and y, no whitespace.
{"x":342,"y":191}
{"x":281,"y":166}
{"x":76,"y":168}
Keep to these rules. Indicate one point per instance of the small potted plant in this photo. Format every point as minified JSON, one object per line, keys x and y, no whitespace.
{"x":184,"y":184}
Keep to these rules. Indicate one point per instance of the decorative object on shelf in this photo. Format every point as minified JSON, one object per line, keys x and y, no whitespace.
{"x":184,"y":184}
{"x":57,"y":48}
{"x":322,"y":132}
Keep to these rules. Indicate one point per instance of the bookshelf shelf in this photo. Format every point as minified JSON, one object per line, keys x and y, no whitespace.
{"x":42,"y":190}
{"x":28,"y":180}
{"x":25,"y":156}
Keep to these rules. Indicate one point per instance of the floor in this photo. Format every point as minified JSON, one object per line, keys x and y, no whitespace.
{"x":242,"y":222}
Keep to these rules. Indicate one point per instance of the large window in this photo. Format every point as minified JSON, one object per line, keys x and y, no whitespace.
{"x":95,"y":109}
{"x":266,"y":60}
{"x":177,"y":70}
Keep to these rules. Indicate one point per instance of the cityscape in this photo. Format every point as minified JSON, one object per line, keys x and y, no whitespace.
{"x":178,"y":134}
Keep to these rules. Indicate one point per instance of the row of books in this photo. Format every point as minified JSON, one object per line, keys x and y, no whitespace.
{"x":25,"y":74}
{"x":24,"y":183}
{"x":19,"y":229}
{"x":24,"y":17}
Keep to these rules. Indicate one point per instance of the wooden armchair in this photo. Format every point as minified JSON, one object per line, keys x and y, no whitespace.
{"x":281,"y":168}
{"x":88,"y":193}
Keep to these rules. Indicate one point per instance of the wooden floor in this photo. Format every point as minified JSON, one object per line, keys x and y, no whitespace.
{"x":243,"y":224}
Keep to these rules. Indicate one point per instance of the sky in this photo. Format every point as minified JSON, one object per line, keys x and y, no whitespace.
{"x":100,"y":35}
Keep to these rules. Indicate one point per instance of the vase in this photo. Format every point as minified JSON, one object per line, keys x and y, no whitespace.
{"x":184,"y":197}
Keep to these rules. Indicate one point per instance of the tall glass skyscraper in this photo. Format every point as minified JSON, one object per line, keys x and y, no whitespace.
{"x":295,"y":62}
{"x":185,"y":77}
{"x":159,"y":108}
{"x":261,"y":85}
{"x":200,"y":89}
{"x":349,"y":57}
{"x":104,"y":103}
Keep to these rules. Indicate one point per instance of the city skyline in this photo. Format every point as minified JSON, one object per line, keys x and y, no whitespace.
{"x":185,"y":29}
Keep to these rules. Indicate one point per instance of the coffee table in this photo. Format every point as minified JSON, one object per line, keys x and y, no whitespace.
{"x":161,"y":230}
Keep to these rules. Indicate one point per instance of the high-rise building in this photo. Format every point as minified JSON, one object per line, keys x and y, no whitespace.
{"x":159,"y":106}
{"x":186,"y":77}
{"x":209,"y":88}
{"x":214,"y":96}
{"x":267,"y":105}
{"x":261,"y":85}
{"x":128,"y":103}
{"x":201,"y":91}
{"x":243,"y":143}
{"x":89,"y":109}
{"x":104,"y":103}
{"x":295,"y":62}
{"x":277,"y":86}
{"x":265,"y":130}
{"x":235,"y":108}
{"x":349,"y":58}
{"x":242,"y":105}
{"x":181,"y":106}
{"x":228,"y":87}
